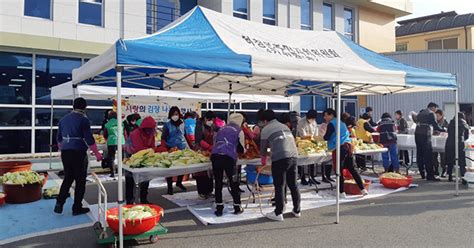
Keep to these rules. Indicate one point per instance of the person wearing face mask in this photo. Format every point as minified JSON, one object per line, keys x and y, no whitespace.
{"x":140,"y":139}
{"x":190,"y":128}
{"x":307,"y":129}
{"x":173,"y":138}
{"x":130,"y":123}
{"x":74,"y":138}
{"x":205,"y":131}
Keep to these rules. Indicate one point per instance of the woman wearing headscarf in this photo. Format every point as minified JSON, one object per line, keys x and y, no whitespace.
{"x":140,"y":139}
{"x":173,"y":138}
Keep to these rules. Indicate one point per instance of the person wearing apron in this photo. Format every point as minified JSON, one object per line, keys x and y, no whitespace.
{"x":74,"y":138}
{"x":173,"y":138}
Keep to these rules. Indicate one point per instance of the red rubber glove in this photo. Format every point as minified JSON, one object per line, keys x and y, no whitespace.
{"x":204,"y":145}
{"x":96,"y":152}
{"x":161,"y":149}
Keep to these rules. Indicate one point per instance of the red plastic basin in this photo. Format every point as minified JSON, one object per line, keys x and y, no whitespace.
{"x":395,"y":183}
{"x":22,"y":194}
{"x":134,"y":227}
{"x":353,"y":189}
{"x":12,"y":166}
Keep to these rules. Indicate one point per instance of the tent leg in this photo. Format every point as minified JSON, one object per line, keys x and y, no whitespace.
{"x":229,"y":103}
{"x":119,"y":152}
{"x":456,"y":135}
{"x":338,"y":149}
{"x":51,"y":136}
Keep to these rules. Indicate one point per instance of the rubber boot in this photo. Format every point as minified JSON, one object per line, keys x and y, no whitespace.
{"x":219,"y":209}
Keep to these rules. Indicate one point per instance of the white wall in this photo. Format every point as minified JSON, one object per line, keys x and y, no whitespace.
{"x":64,"y":23}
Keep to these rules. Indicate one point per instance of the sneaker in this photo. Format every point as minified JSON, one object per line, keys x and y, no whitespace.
{"x":364,"y":192}
{"x":343,"y":195}
{"x":273,"y":216}
{"x":202,"y":197}
{"x":58,"y":208}
{"x":80,"y":211}
{"x":296,"y":214}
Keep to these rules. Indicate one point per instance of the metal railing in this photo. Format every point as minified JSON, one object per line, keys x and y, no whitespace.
{"x":159,"y":15}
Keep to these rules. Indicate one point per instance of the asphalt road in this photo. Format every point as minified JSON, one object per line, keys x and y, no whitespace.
{"x":427,"y":216}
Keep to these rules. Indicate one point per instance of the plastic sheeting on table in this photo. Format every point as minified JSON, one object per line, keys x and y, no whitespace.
{"x":145,"y":174}
{"x":407,"y":142}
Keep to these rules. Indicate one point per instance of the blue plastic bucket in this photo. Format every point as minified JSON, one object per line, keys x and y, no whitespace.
{"x":252,"y":174}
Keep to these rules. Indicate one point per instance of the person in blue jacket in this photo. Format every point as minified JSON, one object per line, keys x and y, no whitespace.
{"x":173,"y":138}
{"x":74,"y":138}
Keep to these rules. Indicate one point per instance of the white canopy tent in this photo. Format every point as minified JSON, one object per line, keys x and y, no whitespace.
{"x":212,"y":52}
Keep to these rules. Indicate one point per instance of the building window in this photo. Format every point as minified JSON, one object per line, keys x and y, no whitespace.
{"x":15,"y":78}
{"x":15,"y":141}
{"x":306,"y":15}
{"x":52,"y":71}
{"x":269,"y":10}
{"x":90,"y":12}
{"x":316,"y":102}
{"x":401,"y":47}
{"x":349,"y":23}
{"x":328,"y":17}
{"x":160,"y":13}
{"x":450,"y":43}
{"x":14,"y":117}
{"x":241,"y":9}
{"x":38,"y":8}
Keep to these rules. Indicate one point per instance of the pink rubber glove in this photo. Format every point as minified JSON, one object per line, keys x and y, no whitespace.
{"x":96,"y":152}
{"x":60,"y":145}
{"x":263,"y":160}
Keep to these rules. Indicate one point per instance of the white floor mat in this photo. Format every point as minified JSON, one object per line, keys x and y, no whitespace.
{"x":309,"y":200}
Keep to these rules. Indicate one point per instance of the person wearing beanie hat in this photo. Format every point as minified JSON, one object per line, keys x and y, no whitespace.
{"x":140,"y":139}
{"x":228,"y":142}
{"x":74,"y":137}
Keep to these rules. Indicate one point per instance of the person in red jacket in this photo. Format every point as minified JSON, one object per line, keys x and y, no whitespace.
{"x":140,"y":139}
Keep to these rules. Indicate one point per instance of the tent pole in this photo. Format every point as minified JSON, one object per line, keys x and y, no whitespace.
{"x":338,"y":149}
{"x":228,"y":104}
{"x":119,"y":151}
{"x":51,"y":136}
{"x":456,"y":135}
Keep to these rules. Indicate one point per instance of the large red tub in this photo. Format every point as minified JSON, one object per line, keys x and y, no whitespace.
{"x":12,"y":166}
{"x":137,"y":226}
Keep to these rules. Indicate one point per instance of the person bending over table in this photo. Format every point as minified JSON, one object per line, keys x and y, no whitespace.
{"x":229,"y":140}
{"x":280,"y":140}
{"x":173,"y":138}
{"x":74,"y":137}
{"x":140,"y":139}
{"x":205,"y":131}
{"x":346,"y":150}
{"x":307,"y":129}
{"x":388,"y":138}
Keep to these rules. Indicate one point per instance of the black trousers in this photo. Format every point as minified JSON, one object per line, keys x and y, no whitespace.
{"x":130,"y":187}
{"x":348,"y":163}
{"x":439,"y":161}
{"x":221,"y":164}
{"x":424,"y":154}
{"x":75,"y":170}
{"x":404,"y":157}
{"x":111,"y":151}
{"x":204,"y":184}
{"x":462,"y":161}
{"x":169,"y":181}
{"x":326,"y":170}
{"x":284,"y":173}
